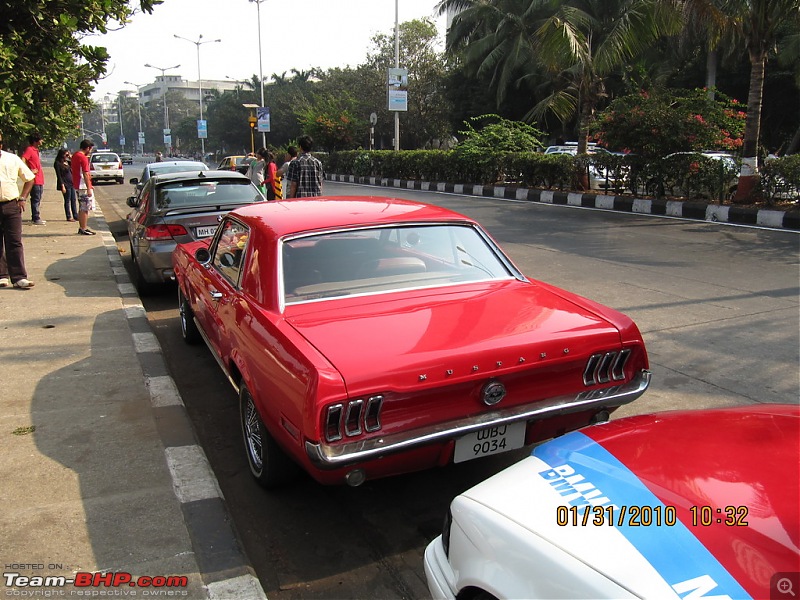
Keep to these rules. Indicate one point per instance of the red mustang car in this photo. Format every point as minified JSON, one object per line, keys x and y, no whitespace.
{"x":369,"y":337}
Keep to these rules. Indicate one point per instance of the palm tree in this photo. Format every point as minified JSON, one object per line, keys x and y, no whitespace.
{"x":578,"y":42}
{"x":585,"y":41}
{"x":758,"y":22}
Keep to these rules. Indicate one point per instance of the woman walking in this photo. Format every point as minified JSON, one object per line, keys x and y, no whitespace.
{"x":64,"y":184}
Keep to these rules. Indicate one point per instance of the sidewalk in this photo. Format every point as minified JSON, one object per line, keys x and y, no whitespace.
{"x":100,"y":470}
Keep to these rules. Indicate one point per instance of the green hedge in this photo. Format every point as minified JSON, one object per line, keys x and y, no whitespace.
{"x":681,"y":175}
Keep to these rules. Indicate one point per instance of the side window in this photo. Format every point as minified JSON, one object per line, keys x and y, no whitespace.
{"x":143,"y":209}
{"x":230,"y":250}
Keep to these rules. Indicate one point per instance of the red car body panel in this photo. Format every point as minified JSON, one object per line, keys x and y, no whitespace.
{"x":428,"y":352}
{"x":745,"y":458}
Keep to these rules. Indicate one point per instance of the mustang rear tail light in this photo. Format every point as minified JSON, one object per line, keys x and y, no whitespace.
{"x":606,"y":366}
{"x":352,"y":418}
{"x":164,"y":232}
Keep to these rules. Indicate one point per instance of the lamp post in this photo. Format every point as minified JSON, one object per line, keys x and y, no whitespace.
{"x":139,"y":111}
{"x":164,"y":96}
{"x":397,"y":66}
{"x":200,"y":41}
{"x":260,"y":66}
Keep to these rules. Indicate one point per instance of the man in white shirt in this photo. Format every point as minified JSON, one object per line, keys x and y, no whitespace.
{"x":12,"y":205}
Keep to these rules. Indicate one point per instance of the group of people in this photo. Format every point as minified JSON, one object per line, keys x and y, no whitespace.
{"x":73,"y":180}
{"x":300,"y":176}
{"x":301,"y":171}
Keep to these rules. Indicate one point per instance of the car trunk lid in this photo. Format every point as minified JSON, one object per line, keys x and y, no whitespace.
{"x":427,"y":338}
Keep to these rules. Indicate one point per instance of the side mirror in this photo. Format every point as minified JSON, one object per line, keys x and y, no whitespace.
{"x":132,"y":201}
{"x":134,"y":181}
{"x":202,"y":255}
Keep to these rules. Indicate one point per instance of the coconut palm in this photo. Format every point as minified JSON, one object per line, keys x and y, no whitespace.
{"x":578,"y":42}
{"x":758,"y":23}
{"x":585,"y":41}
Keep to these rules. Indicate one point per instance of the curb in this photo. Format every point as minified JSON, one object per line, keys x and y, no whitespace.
{"x":700,"y":211}
{"x":223,"y":566}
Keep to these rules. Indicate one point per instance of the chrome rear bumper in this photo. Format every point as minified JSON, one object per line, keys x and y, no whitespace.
{"x":325,"y":456}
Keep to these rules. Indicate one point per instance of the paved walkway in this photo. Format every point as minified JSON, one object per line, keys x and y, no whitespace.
{"x":99,"y":470}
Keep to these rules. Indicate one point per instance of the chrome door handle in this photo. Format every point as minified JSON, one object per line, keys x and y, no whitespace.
{"x":215,"y":295}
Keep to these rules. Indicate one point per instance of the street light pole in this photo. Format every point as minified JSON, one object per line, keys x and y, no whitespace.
{"x":260,"y":66}
{"x":139,"y":111}
{"x":164,"y":96}
{"x":397,"y":66}
{"x":199,"y":43}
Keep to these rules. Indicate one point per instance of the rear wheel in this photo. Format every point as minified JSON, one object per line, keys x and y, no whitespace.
{"x":268,"y":463}
{"x":142,"y":286}
{"x":189,"y":330}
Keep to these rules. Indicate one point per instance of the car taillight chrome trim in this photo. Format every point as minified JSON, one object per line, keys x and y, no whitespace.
{"x":372,"y":418}
{"x":352,"y":423}
{"x":352,"y":418}
{"x":333,"y":422}
{"x":606,"y":366}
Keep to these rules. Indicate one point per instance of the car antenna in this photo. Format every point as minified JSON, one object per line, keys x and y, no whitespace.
{"x":201,"y":174}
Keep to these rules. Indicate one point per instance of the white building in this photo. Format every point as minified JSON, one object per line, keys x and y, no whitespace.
{"x":189,"y":89}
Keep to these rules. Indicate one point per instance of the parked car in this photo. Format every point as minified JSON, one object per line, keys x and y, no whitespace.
{"x":165,"y":167}
{"x":179,"y":207}
{"x":127,"y":159}
{"x":104,"y":165}
{"x":235,"y":163}
{"x":369,"y":337}
{"x":683,"y":504}
{"x":600,"y":178}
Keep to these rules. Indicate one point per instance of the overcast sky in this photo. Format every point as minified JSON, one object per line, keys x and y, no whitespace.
{"x":294,"y":34}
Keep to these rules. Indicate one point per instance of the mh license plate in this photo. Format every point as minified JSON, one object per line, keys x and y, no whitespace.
{"x":492,"y":440}
{"x":203,"y":232}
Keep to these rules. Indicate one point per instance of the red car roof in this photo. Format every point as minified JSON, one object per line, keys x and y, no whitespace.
{"x":288,"y":217}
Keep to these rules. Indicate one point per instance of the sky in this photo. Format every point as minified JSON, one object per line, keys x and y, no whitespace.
{"x":298,"y":34}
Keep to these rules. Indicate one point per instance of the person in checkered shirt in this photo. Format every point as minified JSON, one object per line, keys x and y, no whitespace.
{"x":305,"y":173}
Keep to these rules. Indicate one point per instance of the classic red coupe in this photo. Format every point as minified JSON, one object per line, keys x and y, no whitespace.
{"x":369,"y":337}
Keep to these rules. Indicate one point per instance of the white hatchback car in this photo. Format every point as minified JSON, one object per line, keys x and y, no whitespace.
{"x":104,"y":166}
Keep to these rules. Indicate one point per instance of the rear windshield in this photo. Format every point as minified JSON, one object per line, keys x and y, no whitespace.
{"x":105,"y":157}
{"x":175,"y":169}
{"x":193,"y":193}
{"x":386,"y":259}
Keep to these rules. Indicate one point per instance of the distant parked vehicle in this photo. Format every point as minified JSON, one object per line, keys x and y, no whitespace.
{"x":235,"y":163}
{"x":104,"y":166}
{"x":163,"y":168}
{"x":127,"y":159}
{"x":179,"y":208}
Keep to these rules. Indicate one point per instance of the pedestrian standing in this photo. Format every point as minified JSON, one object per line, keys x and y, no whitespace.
{"x":12,"y":205}
{"x":269,"y":175}
{"x":64,"y":185}
{"x":33,"y":160}
{"x":305,"y":174}
{"x":255,"y":171}
{"x":82,"y":182}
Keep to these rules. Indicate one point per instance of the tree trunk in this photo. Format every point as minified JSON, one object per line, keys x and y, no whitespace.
{"x":749,"y":173}
{"x":712,"y":59}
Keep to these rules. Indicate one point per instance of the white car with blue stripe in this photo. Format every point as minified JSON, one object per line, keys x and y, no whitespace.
{"x":689,"y":504}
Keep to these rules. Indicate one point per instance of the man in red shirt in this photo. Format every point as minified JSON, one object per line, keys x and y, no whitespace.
{"x":31,"y":158}
{"x":82,"y":182}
